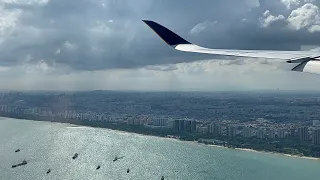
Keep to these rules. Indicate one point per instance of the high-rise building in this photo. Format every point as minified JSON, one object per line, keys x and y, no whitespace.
{"x":193,"y":126}
{"x":217,"y":129}
{"x":160,"y":121}
{"x":170,"y":123}
{"x":187,"y":126}
{"x":181,"y":125}
{"x":247,"y":132}
{"x":130,"y":121}
{"x":271,"y":134}
{"x":281,"y":134}
{"x":260,"y":133}
{"x":210,"y":128}
{"x":303,"y":133}
{"x":231,"y":131}
{"x":316,"y":136}
{"x":176,"y":125}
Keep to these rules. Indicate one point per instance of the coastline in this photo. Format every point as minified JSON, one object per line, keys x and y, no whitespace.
{"x":210,"y":145}
{"x":218,"y":146}
{"x":70,"y":125}
{"x":282,"y":154}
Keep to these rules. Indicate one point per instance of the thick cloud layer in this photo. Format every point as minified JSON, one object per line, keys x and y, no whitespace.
{"x":103,"y":44}
{"x":108,"y":34}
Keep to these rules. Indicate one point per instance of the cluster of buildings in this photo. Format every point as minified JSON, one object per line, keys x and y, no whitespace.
{"x":259,"y":128}
{"x":177,"y":124}
{"x":263,"y":129}
{"x":150,"y":121}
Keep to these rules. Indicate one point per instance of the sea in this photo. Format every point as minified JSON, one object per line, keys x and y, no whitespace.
{"x":46,"y":145}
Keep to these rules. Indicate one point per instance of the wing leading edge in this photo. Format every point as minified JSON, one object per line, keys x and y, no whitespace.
{"x":178,"y":43}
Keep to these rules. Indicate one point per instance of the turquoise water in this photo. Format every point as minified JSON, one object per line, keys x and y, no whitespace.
{"x":51,"y":145}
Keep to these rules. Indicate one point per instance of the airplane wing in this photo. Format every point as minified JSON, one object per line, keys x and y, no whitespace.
{"x":309,"y":61}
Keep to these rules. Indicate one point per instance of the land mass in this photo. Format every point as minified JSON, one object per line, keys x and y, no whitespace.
{"x":290,"y":147}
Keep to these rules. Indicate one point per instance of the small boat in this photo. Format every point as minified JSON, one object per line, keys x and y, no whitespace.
{"x":24,"y":162}
{"x":17,"y":150}
{"x":128,"y":170}
{"x":75,"y":156}
{"x":162,"y":178}
{"x":115,"y":159}
{"x":98,"y":167}
{"x":49,"y":170}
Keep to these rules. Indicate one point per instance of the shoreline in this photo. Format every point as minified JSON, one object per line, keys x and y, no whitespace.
{"x":282,"y":154}
{"x":210,"y":145}
{"x":70,"y":125}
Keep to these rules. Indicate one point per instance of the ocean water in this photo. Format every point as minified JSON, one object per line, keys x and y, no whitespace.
{"x":46,"y":145}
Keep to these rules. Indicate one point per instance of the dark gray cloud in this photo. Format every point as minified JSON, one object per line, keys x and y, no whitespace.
{"x":108,"y":34}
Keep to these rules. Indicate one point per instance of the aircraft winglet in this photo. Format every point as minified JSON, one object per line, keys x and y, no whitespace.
{"x":167,"y":35}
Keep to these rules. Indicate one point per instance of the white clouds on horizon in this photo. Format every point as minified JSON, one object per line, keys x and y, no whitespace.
{"x":208,"y":75}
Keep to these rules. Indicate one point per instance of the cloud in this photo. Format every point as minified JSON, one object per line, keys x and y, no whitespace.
{"x":268,"y":19}
{"x":307,"y":16}
{"x":206,"y":75}
{"x":290,"y":4}
{"x":170,"y":67}
{"x":89,"y":37}
{"x":107,"y":34}
{"x":8,"y":21}
{"x":201,"y":26}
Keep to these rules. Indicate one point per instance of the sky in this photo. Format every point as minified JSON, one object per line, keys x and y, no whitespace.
{"x":103,"y":44}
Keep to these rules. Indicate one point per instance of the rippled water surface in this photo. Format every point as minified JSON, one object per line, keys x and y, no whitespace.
{"x":48,"y":145}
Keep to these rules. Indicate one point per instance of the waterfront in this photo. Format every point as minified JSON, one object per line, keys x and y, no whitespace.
{"x":281,"y":122}
{"x":51,"y":145}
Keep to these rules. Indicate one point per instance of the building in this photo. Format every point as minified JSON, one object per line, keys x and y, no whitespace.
{"x":202,"y":130}
{"x":181,"y":125}
{"x":293,"y":132}
{"x":170,"y":123}
{"x":210,"y":128}
{"x":303,"y":133}
{"x":316,"y":123}
{"x":260,"y":134}
{"x":316,"y":136}
{"x":160,"y":121}
{"x":231,"y":131}
{"x":281,"y":134}
{"x":185,"y":125}
{"x":247,"y":132}
{"x":176,"y":125}
{"x":193,"y":126}
{"x":271,"y":134}
{"x":217,"y":129}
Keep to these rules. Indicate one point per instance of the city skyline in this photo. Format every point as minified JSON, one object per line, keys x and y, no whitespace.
{"x":232,"y":114}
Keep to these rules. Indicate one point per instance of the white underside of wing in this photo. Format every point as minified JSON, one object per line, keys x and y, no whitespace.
{"x":287,"y":55}
{"x":308,"y":61}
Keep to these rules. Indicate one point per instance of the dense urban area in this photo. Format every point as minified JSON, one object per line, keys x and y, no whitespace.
{"x":276,"y":121}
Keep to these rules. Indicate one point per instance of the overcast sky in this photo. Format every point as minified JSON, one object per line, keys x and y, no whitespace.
{"x":103,"y":44}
